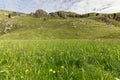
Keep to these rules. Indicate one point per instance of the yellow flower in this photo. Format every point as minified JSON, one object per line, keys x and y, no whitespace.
{"x":54,"y":72}
{"x":50,"y":70}
{"x":62,"y":67}
{"x":27,"y":71}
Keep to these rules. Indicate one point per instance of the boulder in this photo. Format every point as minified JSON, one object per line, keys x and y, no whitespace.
{"x":73,"y":25}
{"x":40,"y":13}
{"x":117,"y":18}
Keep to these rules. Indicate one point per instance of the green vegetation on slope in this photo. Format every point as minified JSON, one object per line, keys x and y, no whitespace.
{"x":88,"y":26}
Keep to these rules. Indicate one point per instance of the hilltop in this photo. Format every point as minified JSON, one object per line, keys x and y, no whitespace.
{"x":58,"y":25}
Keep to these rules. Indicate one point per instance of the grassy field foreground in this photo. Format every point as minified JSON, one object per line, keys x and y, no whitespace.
{"x":59,"y":60}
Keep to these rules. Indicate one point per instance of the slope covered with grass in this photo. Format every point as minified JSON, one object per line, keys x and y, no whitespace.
{"x":48,"y":27}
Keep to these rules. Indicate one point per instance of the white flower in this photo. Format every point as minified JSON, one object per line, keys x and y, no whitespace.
{"x":2,"y":71}
{"x":117,"y":79}
{"x":22,"y":77}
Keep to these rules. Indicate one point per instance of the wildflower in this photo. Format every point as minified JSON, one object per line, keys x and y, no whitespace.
{"x":50,"y":70}
{"x":117,"y":79}
{"x":2,"y":71}
{"x":62,"y":67}
{"x":58,"y":71}
{"x":54,"y":72}
{"x":27,"y":71}
{"x":22,"y":77}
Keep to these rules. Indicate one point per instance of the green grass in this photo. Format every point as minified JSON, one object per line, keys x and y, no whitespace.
{"x":83,"y":60}
{"x":32,"y":28}
{"x":37,"y":48}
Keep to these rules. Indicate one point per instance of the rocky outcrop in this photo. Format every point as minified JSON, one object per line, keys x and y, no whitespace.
{"x":73,"y":25}
{"x":40,"y":13}
{"x":117,"y":18}
{"x":64,"y":14}
{"x":8,"y":27}
{"x":13,"y":14}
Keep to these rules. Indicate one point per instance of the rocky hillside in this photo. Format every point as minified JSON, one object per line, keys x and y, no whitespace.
{"x":58,"y":25}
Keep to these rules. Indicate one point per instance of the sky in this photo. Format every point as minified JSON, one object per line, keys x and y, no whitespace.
{"x":78,"y":6}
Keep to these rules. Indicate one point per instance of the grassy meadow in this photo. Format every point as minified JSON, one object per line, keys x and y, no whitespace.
{"x":59,"y":60}
{"x":57,"y":48}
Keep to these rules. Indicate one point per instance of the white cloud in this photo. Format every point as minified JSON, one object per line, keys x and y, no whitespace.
{"x":79,"y":6}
